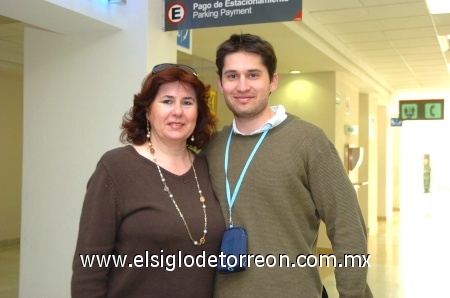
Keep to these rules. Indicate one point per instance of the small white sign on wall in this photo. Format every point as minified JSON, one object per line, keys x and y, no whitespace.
{"x":351,"y":130}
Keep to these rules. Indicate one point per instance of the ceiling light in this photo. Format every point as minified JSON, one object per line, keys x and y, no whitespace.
{"x":438,"y":6}
{"x":294,"y":71}
{"x":117,"y":1}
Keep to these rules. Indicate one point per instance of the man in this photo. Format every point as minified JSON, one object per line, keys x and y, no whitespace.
{"x":292,"y":181}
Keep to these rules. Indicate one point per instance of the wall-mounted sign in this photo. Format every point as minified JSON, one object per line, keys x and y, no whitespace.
{"x":396,"y":122}
{"x":188,"y":14}
{"x":430,"y":109}
{"x":184,"y":41}
{"x":351,"y":130}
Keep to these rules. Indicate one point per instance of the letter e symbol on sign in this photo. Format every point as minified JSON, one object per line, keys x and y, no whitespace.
{"x":176,"y":13}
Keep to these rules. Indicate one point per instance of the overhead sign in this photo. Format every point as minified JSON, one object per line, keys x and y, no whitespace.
{"x":430,"y":109}
{"x":189,"y":14}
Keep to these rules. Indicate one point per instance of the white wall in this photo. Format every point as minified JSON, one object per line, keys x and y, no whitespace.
{"x":310,"y":97}
{"x":385,"y":205}
{"x":347,"y":113}
{"x":368,"y":139}
{"x":77,"y":88}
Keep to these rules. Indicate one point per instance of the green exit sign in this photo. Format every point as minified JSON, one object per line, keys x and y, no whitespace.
{"x":430,"y":109}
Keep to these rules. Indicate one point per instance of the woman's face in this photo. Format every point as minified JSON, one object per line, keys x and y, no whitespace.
{"x":173,"y":113}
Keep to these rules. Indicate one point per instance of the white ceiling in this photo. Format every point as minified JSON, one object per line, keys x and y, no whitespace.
{"x":384,"y":45}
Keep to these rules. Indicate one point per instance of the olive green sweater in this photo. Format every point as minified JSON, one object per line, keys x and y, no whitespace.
{"x":295,"y":180}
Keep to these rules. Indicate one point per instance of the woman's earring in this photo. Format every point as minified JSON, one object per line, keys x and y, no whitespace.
{"x":192,"y":138}
{"x":148,"y":130}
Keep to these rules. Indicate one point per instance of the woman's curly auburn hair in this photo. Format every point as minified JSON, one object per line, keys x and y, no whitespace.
{"x":134,"y":122}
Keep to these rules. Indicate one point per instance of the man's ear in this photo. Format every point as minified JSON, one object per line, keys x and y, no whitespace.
{"x":219,"y":82}
{"x":274,"y":83}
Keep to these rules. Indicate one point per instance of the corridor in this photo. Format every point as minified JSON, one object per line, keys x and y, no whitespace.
{"x":409,"y":251}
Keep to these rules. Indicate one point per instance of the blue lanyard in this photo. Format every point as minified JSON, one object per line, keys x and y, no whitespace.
{"x":238,"y":185}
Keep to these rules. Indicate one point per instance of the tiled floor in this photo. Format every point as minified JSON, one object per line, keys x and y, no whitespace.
{"x":407,"y":254}
{"x":410,"y":250}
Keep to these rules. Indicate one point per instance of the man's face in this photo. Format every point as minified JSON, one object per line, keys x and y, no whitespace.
{"x":246,"y":84}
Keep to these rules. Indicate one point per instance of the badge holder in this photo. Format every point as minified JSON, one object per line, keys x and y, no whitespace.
{"x":233,"y":251}
{"x":234,"y":248}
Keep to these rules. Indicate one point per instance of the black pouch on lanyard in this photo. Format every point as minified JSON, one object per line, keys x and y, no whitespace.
{"x":233,"y":251}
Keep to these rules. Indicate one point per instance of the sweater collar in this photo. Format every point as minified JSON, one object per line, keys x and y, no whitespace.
{"x":278,"y":118}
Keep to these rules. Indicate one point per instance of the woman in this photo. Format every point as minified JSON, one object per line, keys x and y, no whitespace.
{"x":151,"y":202}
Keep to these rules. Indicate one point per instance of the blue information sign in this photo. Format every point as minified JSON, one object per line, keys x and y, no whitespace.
{"x":184,"y":38}
{"x":396,"y":122}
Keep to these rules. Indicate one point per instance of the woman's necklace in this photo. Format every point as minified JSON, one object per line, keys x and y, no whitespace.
{"x":166,"y":189}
